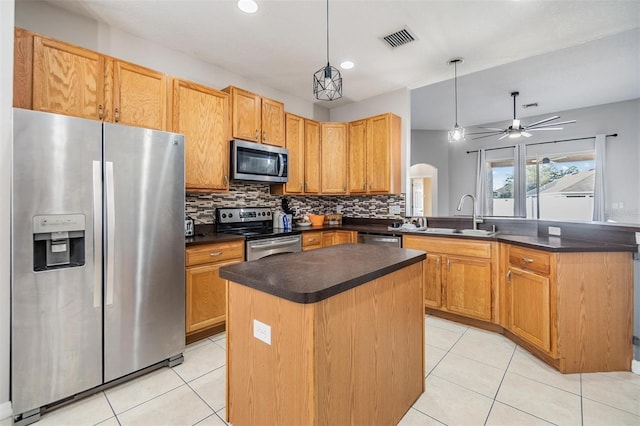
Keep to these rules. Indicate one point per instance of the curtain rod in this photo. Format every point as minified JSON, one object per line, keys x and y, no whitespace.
{"x":542,"y":143}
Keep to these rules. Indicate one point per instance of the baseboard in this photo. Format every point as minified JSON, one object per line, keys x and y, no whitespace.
{"x":5,"y":410}
{"x":635,"y":366}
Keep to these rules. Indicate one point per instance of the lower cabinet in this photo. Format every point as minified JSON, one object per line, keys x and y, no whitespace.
{"x":334,"y":238}
{"x":205,"y":290}
{"x":311,"y":240}
{"x":458,"y":275}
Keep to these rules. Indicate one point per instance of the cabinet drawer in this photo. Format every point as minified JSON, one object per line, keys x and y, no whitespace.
{"x":311,"y":239}
{"x":211,"y":253}
{"x":481,"y":249}
{"x":532,"y":260}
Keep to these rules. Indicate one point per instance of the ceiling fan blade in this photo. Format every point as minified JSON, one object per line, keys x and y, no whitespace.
{"x":525,"y":134}
{"x":543,"y":121}
{"x":550,"y":124}
{"x":497,"y":129}
{"x":486,"y":136}
{"x":495,"y":132}
{"x":545,"y":128}
{"x":503,"y":136}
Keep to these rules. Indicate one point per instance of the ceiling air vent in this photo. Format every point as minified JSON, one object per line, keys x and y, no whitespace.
{"x":399,"y":38}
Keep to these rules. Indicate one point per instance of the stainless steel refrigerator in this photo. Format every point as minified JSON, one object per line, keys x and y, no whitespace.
{"x":97,"y":256}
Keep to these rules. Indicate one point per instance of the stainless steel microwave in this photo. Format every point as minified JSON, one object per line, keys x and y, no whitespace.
{"x":258,"y":162}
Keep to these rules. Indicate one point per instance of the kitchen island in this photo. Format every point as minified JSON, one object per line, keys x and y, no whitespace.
{"x":327,"y":337}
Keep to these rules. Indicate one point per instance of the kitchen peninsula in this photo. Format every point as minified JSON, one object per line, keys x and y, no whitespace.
{"x":330,"y":336}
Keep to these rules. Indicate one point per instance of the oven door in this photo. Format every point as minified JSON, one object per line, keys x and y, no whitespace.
{"x":257,"y":249}
{"x":257,"y":162}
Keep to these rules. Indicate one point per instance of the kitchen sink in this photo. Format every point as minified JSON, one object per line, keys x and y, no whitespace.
{"x":439,"y":230}
{"x":477,"y":232}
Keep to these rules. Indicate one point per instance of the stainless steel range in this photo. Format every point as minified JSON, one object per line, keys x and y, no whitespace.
{"x":255,"y":224}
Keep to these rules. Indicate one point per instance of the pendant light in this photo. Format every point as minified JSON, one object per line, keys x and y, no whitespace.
{"x":327,"y":81}
{"x":457,"y":133}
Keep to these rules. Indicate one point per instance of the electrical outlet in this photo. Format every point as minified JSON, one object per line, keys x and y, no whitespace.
{"x":339,"y":208}
{"x":554,"y":230}
{"x":394,"y":209}
{"x":262,"y":331}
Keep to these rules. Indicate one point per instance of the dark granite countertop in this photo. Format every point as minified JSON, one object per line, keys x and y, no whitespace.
{"x":312,"y":276}
{"x":211,"y":238}
{"x":557,"y":244}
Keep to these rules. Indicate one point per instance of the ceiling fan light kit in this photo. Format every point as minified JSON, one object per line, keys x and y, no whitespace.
{"x":327,"y":81}
{"x":515,"y":130}
{"x":456,"y":134}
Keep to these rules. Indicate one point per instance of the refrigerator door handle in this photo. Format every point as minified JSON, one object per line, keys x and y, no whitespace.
{"x":97,"y":234}
{"x":111,"y":221}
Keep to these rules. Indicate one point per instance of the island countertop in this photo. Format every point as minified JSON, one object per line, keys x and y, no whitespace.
{"x":312,"y":276}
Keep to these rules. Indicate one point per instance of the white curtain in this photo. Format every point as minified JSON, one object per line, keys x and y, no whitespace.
{"x":599,"y":187}
{"x":481,"y":184}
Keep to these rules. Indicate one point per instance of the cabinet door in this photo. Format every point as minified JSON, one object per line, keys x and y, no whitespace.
{"x":343,"y":237}
{"x":246,"y":115}
{"x":273,"y":122}
{"x":530,"y":307}
{"x":311,"y":157}
{"x":67,"y":79}
{"x":333,"y":142}
{"x":468,"y":286}
{"x":327,"y":238}
{"x":295,"y":144}
{"x":432,"y":273}
{"x":206,"y":296}
{"x":378,"y":154}
{"x":357,"y":157}
{"x":139,"y":96}
{"x":202,"y":115}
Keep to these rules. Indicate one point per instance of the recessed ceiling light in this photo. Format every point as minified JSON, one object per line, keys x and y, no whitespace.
{"x":248,"y":6}
{"x":346,"y":65}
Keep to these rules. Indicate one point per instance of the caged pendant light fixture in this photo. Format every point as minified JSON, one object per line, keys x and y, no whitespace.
{"x":457,"y":133}
{"x":327,"y":81}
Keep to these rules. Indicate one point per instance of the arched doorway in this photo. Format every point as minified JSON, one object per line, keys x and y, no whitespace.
{"x":424,"y":189}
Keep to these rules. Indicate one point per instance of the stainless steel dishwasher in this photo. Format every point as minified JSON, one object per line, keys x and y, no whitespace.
{"x":380,"y":239}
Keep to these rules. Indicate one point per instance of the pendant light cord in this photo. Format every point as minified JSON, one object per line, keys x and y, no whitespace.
{"x":327,"y":32}
{"x":455,"y":85}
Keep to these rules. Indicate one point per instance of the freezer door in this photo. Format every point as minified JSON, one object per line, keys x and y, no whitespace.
{"x":56,"y":315}
{"x":144,"y":248}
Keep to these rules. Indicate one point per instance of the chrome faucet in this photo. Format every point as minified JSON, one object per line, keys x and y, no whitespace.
{"x":473,"y":199}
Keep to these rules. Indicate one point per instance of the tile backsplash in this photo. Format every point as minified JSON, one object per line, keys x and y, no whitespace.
{"x":201,"y":207}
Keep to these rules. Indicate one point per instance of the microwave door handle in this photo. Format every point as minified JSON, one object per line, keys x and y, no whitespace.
{"x":281,"y":161}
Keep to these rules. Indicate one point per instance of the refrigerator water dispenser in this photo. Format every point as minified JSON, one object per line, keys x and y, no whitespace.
{"x":58,"y":241}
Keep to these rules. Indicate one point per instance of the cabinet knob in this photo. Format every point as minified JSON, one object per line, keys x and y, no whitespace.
{"x":257,"y":133}
{"x":117,"y":115}
{"x":215,"y":253}
{"x":264,"y":136}
{"x":311,"y":240}
{"x":509,"y":276}
{"x":527,"y":260}
{"x":226,"y":180}
{"x":438,"y":262}
{"x":448,"y":265}
{"x":100,"y":112}
{"x":364,"y":186}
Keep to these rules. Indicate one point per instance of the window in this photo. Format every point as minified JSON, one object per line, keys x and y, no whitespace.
{"x":560,"y":186}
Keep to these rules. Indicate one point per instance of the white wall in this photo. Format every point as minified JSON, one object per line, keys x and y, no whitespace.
{"x":623,"y":173}
{"x":432,"y":147}
{"x":6,"y":124}
{"x":397,"y":102}
{"x":51,"y":21}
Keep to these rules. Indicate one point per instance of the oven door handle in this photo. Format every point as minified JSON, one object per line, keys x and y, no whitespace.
{"x":273,"y":244}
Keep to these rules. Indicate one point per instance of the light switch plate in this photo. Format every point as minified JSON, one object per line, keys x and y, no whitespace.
{"x":394,"y":209}
{"x":637,"y":237}
{"x":262,"y":331}
{"x":555,"y":231}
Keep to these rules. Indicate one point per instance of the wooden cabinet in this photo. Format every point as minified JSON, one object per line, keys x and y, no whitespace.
{"x":573,"y":310}
{"x":58,"y":77}
{"x":205,"y":290}
{"x":256,"y":118}
{"x":311,"y":240}
{"x":334,"y":154}
{"x":334,"y":238}
{"x":311,"y":157}
{"x":202,"y":115}
{"x":460,"y":275}
{"x":374,"y":155}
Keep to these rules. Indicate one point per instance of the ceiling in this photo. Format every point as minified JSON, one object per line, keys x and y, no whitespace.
{"x":538,"y":47}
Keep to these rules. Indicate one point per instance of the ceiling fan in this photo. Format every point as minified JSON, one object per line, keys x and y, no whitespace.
{"x":516,"y":129}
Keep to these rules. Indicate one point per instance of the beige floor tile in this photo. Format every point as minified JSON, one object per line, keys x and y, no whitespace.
{"x":222,"y":343}
{"x":597,"y":414}
{"x":433,"y":356}
{"x":446,"y":324}
{"x":6,"y":422}
{"x":471,"y":374}
{"x":218,"y":336}
{"x":212,"y":388}
{"x":416,"y":418}
{"x":503,"y":415}
{"x":452,"y":404}
{"x":625,"y":376}
{"x":223,"y":415}
{"x":603,"y":388}
{"x":196,"y":345}
{"x":201,"y":360}
{"x":142,"y":389}
{"x":113,"y":421}
{"x":212,"y":420}
{"x":180,"y":406}
{"x":547,"y":402}
{"x":527,"y":365}
{"x":440,"y":337}
{"x":485,"y":346}
{"x":88,"y":411}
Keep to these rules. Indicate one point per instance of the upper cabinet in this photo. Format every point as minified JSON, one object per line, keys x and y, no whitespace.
{"x":295,"y":144}
{"x":374,"y":155}
{"x":333,"y":154}
{"x":58,"y":77}
{"x":202,"y":115}
{"x":311,"y":157}
{"x":255,"y":118}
